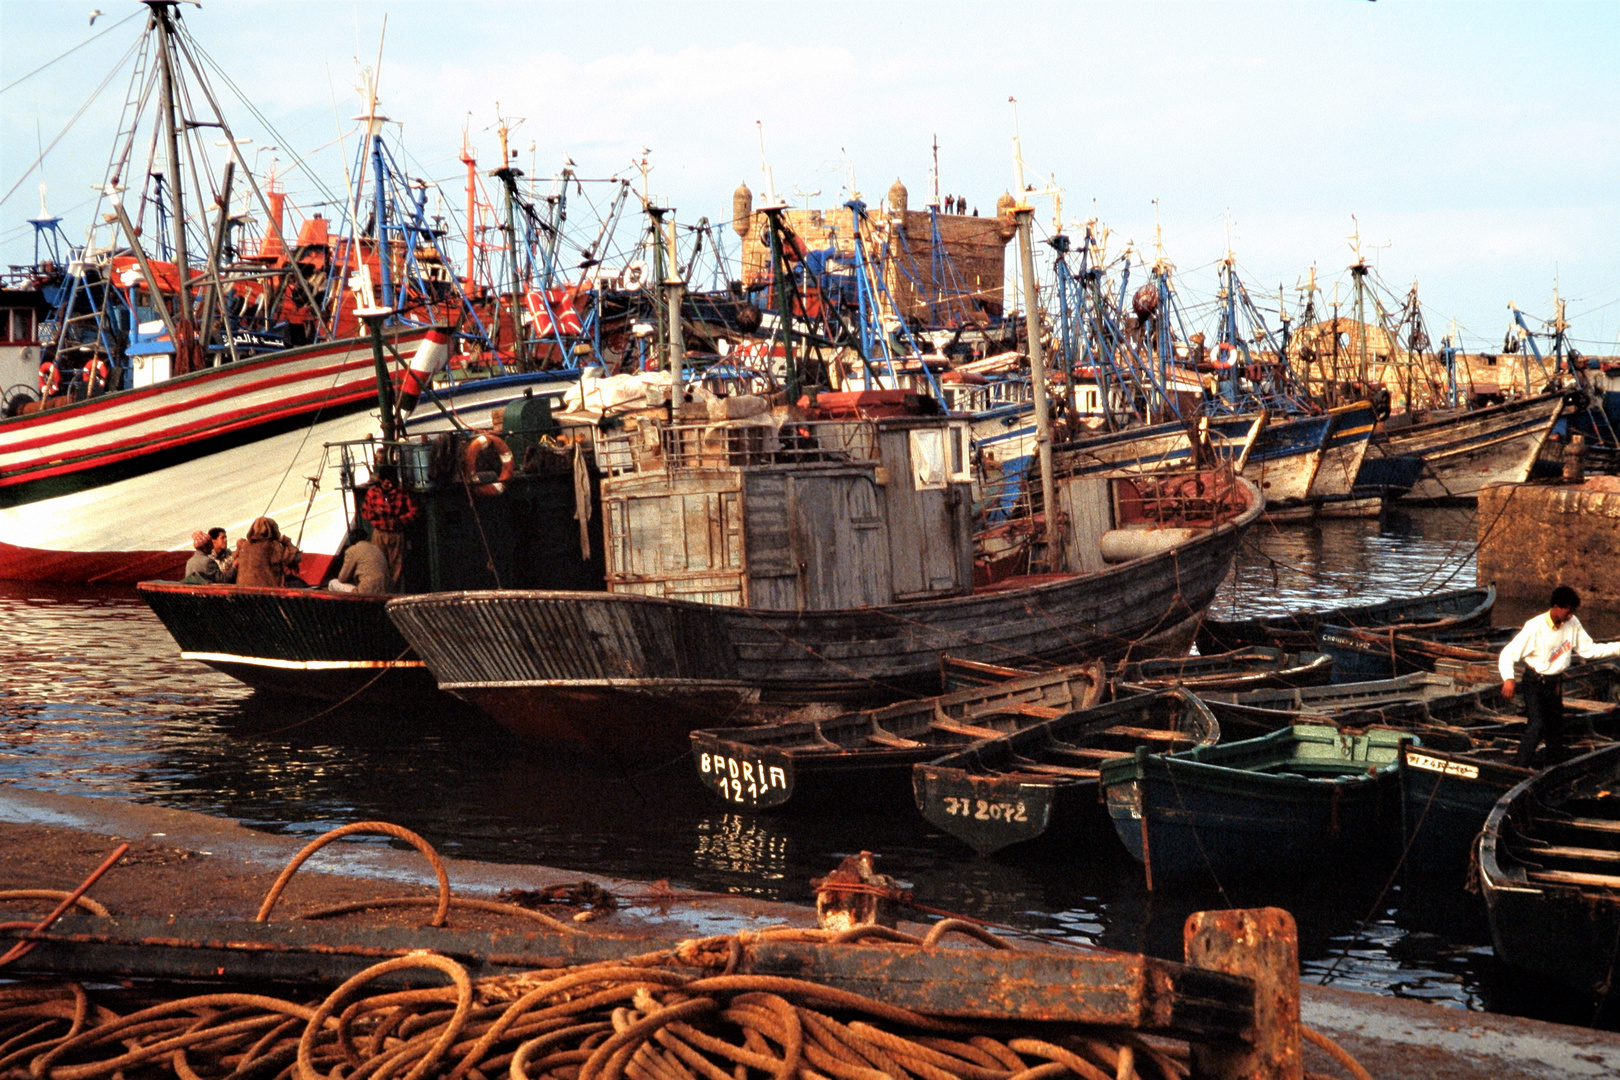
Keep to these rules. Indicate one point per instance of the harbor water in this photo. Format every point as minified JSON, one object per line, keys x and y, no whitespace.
{"x":94,"y":701}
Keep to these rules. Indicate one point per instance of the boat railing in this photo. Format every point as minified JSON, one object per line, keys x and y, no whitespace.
{"x":358,"y":461}
{"x":731,"y":445}
{"x":980,"y":397}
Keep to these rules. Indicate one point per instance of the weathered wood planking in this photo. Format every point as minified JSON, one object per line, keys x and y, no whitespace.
{"x":1462,"y":454}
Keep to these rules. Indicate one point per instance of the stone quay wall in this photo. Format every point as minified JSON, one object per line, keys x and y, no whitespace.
{"x":1533,"y":537}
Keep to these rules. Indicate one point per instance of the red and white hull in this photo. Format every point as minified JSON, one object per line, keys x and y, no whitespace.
{"x":110,"y":489}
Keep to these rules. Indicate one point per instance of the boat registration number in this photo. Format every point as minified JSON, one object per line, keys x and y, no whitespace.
{"x":1442,"y":766}
{"x":741,"y":781}
{"x":985,"y":810}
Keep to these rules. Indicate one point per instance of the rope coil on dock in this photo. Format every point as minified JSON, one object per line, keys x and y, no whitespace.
{"x":672,"y":1014}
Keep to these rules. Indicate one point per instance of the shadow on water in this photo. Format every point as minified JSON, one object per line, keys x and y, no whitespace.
{"x":95,"y":701}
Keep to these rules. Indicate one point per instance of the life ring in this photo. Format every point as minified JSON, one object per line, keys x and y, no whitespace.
{"x":95,"y":374}
{"x":50,"y":380}
{"x":475,"y":450}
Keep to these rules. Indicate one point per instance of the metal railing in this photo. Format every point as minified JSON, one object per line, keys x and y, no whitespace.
{"x":730,"y":445}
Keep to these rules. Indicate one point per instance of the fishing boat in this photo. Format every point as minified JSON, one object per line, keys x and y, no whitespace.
{"x":863,"y":760}
{"x":517,"y":525}
{"x":819,"y":561}
{"x":1465,"y":452}
{"x":1277,"y":804}
{"x":1254,"y":668}
{"x":1448,"y":790}
{"x":1361,"y":653}
{"x":1547,"y":868}
{"x":174,"y":386}
{"x":1042,"y":782}
{"x":1455,"y":609}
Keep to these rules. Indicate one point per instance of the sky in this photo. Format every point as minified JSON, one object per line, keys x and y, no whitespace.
{"x":1473,"y":147}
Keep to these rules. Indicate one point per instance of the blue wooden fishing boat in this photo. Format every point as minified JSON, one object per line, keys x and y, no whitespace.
{"x":1549,"y":869}
{"x":1041,"y":782}
{"x":1276,"y":804}
{"x":1362,"y":653}
{"x":1448,"y":789}
{"x":1295,"y":631}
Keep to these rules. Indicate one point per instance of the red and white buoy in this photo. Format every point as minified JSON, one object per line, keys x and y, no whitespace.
{"x":428,"y":362}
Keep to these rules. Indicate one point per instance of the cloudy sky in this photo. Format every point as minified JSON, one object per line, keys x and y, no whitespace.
{"x":1475,"y":146}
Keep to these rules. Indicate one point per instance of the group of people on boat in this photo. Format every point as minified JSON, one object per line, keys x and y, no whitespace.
{"x":373,"y":556}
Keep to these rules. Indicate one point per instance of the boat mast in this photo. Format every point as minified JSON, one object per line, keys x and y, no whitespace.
{"x":1024,"y":215}
{"x":161,"y":15}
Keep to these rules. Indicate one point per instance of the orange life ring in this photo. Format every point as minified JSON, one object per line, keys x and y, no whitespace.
{"x":50,"y":380}
{"x":95,"y":375}
{"x":475,"y":450}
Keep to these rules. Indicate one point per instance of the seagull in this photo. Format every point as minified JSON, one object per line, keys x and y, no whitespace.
{"x":94,"y":15}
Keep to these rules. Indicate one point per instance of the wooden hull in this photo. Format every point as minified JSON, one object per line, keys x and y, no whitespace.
{"x":1445,"y":799}
{"x":1547,"y":859}
{"x":502,"y":645}
{"x":1041,"y":784}
{"x":1283,"y":463}
{"x":1459,"y":609}
{"x":1360,"y":654}
{"x":304,"y":643}
{"x":1349,"y":436}
{"x":1211,"y":812}
{"x":1463,"y":454}
{"x":863,"y":760}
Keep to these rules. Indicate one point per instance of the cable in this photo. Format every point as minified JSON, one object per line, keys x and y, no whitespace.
{"x":70,"y":52}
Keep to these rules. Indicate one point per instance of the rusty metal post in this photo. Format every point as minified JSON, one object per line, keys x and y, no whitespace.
{"x":1261,"y":944}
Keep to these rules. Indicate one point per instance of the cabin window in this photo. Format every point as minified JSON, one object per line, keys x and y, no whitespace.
{"x":961,"y":440}
{"x":17,"y":324}
{"x":928,"y":459}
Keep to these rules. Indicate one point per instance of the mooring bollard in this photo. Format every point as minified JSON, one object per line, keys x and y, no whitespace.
{"x":1261,"y":944}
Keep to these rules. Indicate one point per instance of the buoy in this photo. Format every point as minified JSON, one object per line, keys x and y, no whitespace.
{"x":428,"y":362}
{"x":50,"y":380}
{"x":475,"y":450}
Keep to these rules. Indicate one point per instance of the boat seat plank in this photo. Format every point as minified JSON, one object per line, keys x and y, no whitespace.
{"x":1567,"y":877}
{"x":895,"y":741}
{"x":1588,"y":705}
{"x":1021,"y":708}
{"x":1557,"y":851}
{"x":1590,"y":824}
{"x":1154,"y":734}
{"x":956,"y":727}
{"x":1087,"y":752}
{"x":1057,"y":770}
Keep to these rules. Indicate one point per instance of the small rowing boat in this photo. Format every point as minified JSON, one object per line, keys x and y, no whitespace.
{"x":861,"y":759}
{"x":1041,"y":782}
{"x":1272,"y":805}
{"x":1297,"y":631}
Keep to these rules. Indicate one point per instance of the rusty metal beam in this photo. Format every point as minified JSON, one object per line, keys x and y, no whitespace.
{"x":1061,"y":986}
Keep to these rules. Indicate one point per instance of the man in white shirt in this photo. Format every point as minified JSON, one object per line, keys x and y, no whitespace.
{"x":1547,"y":645}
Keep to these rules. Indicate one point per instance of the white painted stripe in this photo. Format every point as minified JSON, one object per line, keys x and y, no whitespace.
{"x":297,"y":665}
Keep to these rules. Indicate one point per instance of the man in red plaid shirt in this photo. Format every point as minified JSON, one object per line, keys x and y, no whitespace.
{"x":389,"y":508}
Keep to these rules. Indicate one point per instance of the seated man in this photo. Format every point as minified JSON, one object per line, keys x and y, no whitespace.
{"x":365,"y":567}
{"x":210,"y":562}
{"x":265,"y":557}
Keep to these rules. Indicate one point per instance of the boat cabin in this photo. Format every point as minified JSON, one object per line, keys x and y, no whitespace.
{"x":790,"y":515}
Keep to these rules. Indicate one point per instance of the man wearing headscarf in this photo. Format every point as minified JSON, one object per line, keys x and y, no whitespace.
{"x":264,"y":558}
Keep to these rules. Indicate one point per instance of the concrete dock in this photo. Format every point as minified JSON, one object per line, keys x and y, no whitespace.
{"x":183,"y":863}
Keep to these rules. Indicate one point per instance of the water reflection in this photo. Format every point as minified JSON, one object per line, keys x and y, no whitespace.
{"x":95,"y":701}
